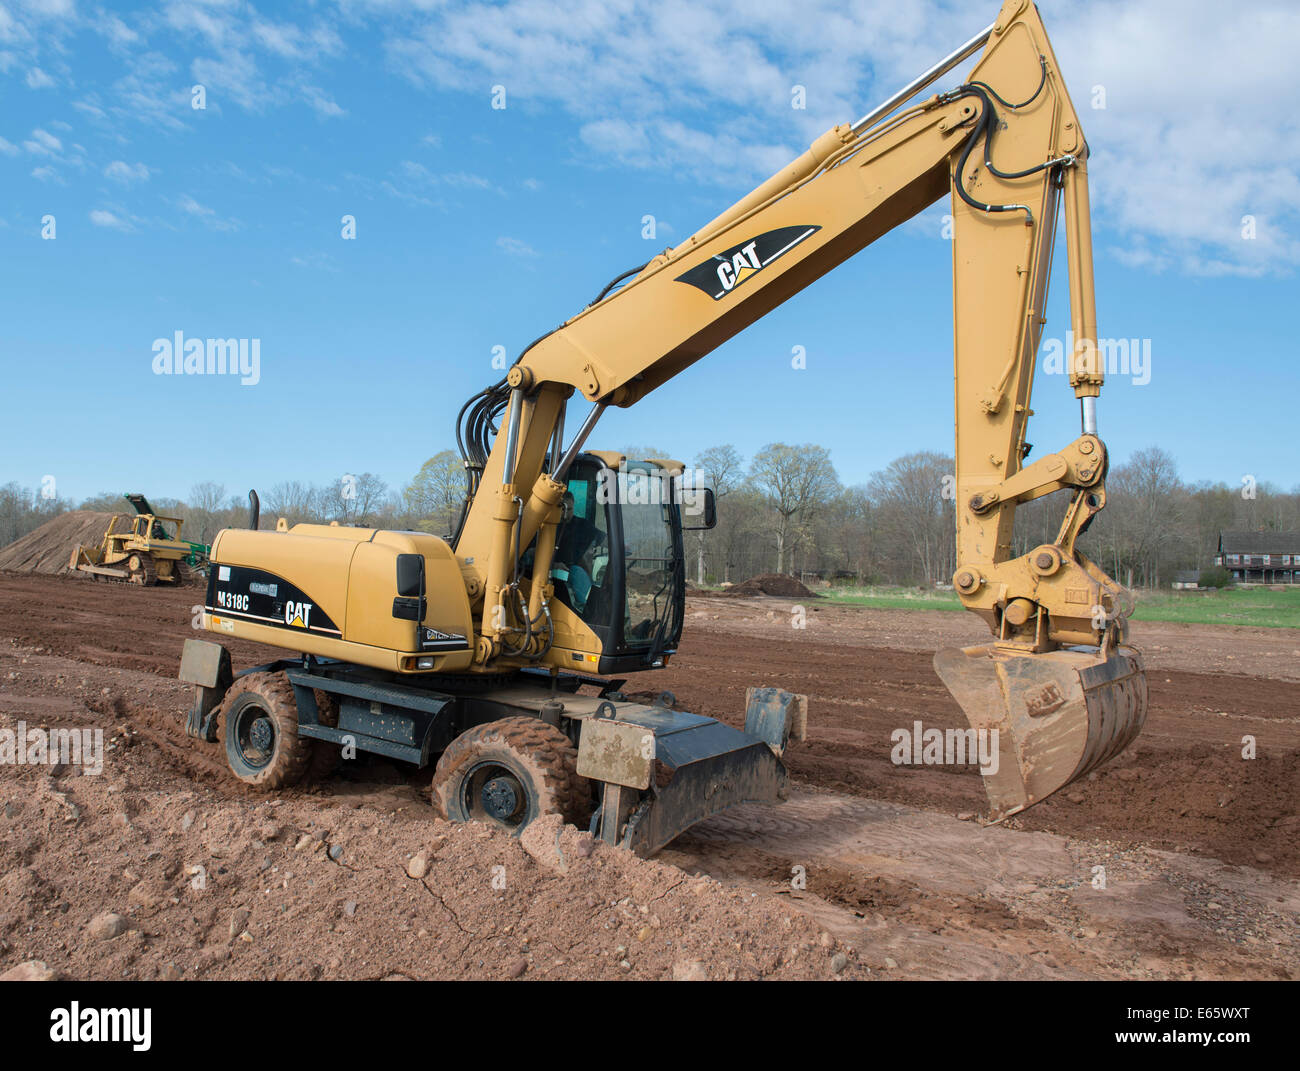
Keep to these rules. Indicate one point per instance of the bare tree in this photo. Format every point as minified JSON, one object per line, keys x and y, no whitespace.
{"x":1149,"y":507}
{"x":352,"y":499}
{"x":796,"y":480}
{"x":292,"y":500}
{"x":852,"y":533}
{"x":915,"y":513}
{"x":23,"y":511}
{"x":204,"y":513}
{"x":723,"y":469}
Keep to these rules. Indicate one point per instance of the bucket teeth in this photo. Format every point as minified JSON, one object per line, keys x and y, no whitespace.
{"x":1057,"y":715}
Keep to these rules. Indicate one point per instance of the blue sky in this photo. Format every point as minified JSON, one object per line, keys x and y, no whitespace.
{"x":479,"y":227}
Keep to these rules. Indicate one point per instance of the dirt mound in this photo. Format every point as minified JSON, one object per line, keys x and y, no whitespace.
{"x":778,"y":584}
{"x":48,"y":548}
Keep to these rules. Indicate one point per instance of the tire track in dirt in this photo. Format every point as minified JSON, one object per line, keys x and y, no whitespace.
{"x":937,"y":897}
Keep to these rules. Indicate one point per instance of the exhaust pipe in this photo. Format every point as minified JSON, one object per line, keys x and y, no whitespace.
{"x":254,"y":510}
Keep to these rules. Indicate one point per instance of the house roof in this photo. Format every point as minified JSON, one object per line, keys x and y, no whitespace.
{"x":1259,"y":542}
{"x":1187,"y":576}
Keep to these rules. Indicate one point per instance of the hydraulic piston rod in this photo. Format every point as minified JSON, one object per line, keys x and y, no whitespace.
{"x":917,"y":84}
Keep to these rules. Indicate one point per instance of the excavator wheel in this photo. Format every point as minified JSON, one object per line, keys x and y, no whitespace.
{"x":509,"y":772}
{"x":180,"y":574}
{"x":260,"y":720}
{"x":325,"y":754}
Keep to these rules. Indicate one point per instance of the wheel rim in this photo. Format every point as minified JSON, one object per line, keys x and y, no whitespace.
{"x":494,"y":793}
{"x":255,"y":736}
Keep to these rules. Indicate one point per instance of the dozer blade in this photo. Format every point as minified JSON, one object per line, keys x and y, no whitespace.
{"x":1058,"y":715}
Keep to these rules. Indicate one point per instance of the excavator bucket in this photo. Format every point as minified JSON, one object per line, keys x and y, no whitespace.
{"x":1057,"y":715}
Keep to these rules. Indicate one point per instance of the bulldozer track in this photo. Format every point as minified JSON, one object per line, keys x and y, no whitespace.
{"x":147,"y":574}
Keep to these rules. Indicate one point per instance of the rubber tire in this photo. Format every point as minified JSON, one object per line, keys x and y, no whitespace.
{"x":273,"y":693}
{"x":539,"y":755}
{"x":326,"y":756}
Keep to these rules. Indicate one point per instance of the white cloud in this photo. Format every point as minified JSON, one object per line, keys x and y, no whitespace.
{"x":8,"y":148}
{"x":315,"y":261}
{"x":235,"y":73}
{"x":1200,"y":128}
{"x":293,"y":42}
{"x":412,"y":181}
{"x":199,"y":19}
{"x":321,"y":102}
{"x":90,"y":106}
{"x":117,"y":32}
{"x":191,"y":207}
{"x":43,"y":143}
{"x":121,"y":171}
{"x":671,"y":144}
{"x":38,"y":79}
{"x":103,"y":218}
{"x":708,"y":66}
{"x":517,"y":248}
{"x":187,"y":204}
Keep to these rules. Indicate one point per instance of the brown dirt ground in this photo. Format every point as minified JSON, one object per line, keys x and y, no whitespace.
{"x":1198,"y":846}
{"x":1183,"y":785}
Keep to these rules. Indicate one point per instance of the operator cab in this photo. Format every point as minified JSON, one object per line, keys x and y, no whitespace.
{"x":619,"y":563}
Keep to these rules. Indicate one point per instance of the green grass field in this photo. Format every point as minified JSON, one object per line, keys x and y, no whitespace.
{"x":1250,"y":606}
{"x":891,"y":598}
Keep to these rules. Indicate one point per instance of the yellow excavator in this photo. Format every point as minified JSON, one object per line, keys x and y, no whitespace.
{"x":491,"y":654}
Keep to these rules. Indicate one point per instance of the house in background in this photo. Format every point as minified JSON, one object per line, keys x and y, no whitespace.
{"x":1260,"y":557}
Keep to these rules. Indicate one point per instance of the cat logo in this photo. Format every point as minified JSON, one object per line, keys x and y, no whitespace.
{"x":723,"y":272}
{"x":297,"y":614}
{"x":738,"y":268}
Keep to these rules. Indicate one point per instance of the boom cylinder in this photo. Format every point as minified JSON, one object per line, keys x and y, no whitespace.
{"x":928,"y":78}
{"x":1086,"y":373}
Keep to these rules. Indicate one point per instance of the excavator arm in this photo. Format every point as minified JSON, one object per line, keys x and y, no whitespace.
{"x":1057,"y":681}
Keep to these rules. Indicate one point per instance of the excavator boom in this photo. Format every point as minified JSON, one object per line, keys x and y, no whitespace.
{"x":1057,"y":681}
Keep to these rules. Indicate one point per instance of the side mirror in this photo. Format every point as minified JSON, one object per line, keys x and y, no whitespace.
{"x":708,"y":516}
{"x":410,"y":603}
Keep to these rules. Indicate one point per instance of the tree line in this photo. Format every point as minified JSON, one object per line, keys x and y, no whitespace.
{"x":785,"y":510}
